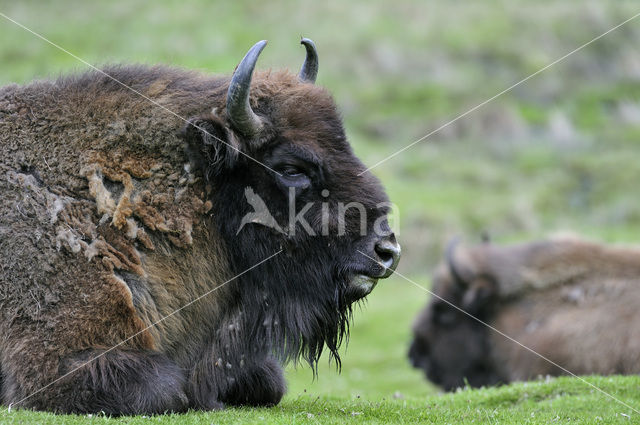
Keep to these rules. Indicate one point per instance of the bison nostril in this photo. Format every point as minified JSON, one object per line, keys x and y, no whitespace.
{"x":386,"y":257}
{"x":388,"y":251}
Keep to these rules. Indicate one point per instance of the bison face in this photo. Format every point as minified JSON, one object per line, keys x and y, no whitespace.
{"x":285,"y":179}
{"x":451,"y":347}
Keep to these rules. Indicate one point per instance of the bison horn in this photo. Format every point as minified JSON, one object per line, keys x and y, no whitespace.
{"x":238,"y":108}
{"x":309,"y":70}
{"x":451,"y":262}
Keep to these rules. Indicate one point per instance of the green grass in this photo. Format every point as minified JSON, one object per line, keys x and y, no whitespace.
{"x":557,"y":153}
{"x":561,"y":400}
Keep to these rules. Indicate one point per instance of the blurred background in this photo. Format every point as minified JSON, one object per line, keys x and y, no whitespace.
{"x":558,"y":153}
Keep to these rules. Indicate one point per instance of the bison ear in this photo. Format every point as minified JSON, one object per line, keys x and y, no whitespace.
{"x":211,"y":145}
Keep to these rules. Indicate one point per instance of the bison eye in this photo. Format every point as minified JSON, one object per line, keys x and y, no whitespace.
{"x":292,"y":171}
{"x":294,"y":176}
{"x":447,"y":318}
{"x":444,"y":315}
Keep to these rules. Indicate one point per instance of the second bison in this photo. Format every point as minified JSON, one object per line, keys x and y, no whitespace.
{"x":569,"y":300}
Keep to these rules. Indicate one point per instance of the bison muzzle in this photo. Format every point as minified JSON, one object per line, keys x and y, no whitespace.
{"x":123,"y":193}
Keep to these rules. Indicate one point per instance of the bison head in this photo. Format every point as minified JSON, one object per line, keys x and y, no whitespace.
{"x":451,"y":347}
{"x":283,"y":178}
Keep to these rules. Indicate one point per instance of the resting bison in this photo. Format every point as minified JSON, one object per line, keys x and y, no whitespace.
{"x":130,"y":283}
{"x":572,"y":301}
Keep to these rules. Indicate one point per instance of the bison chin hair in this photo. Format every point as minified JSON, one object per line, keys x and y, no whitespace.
{"x":295,"y":318}
{"x":300,"y":330}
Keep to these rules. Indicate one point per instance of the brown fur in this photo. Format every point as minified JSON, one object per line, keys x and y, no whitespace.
{"x":106,"y":227}
{"x":570,"y":300}
{"x":67,"y":238}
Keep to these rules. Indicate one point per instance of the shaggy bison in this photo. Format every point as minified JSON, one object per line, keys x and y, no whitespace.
{"x":130,"y":283}
{"x":572,"y":301}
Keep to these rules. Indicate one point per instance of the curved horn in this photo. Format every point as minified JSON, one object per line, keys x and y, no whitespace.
{"x":238,"y":109}
{"x":309,"y":70}
{"x":450,"y":257}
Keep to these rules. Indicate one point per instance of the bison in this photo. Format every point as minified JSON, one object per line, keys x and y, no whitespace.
{"x":572,"y":301}
{"x":130,"y":283}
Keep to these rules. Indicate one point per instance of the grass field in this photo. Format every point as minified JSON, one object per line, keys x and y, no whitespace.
{"x":558,"y":153}
{"x":561,"y":400}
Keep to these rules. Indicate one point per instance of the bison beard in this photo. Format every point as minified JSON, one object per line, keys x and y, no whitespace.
{"x":129,"y":215}
{"x":302,"y":306}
